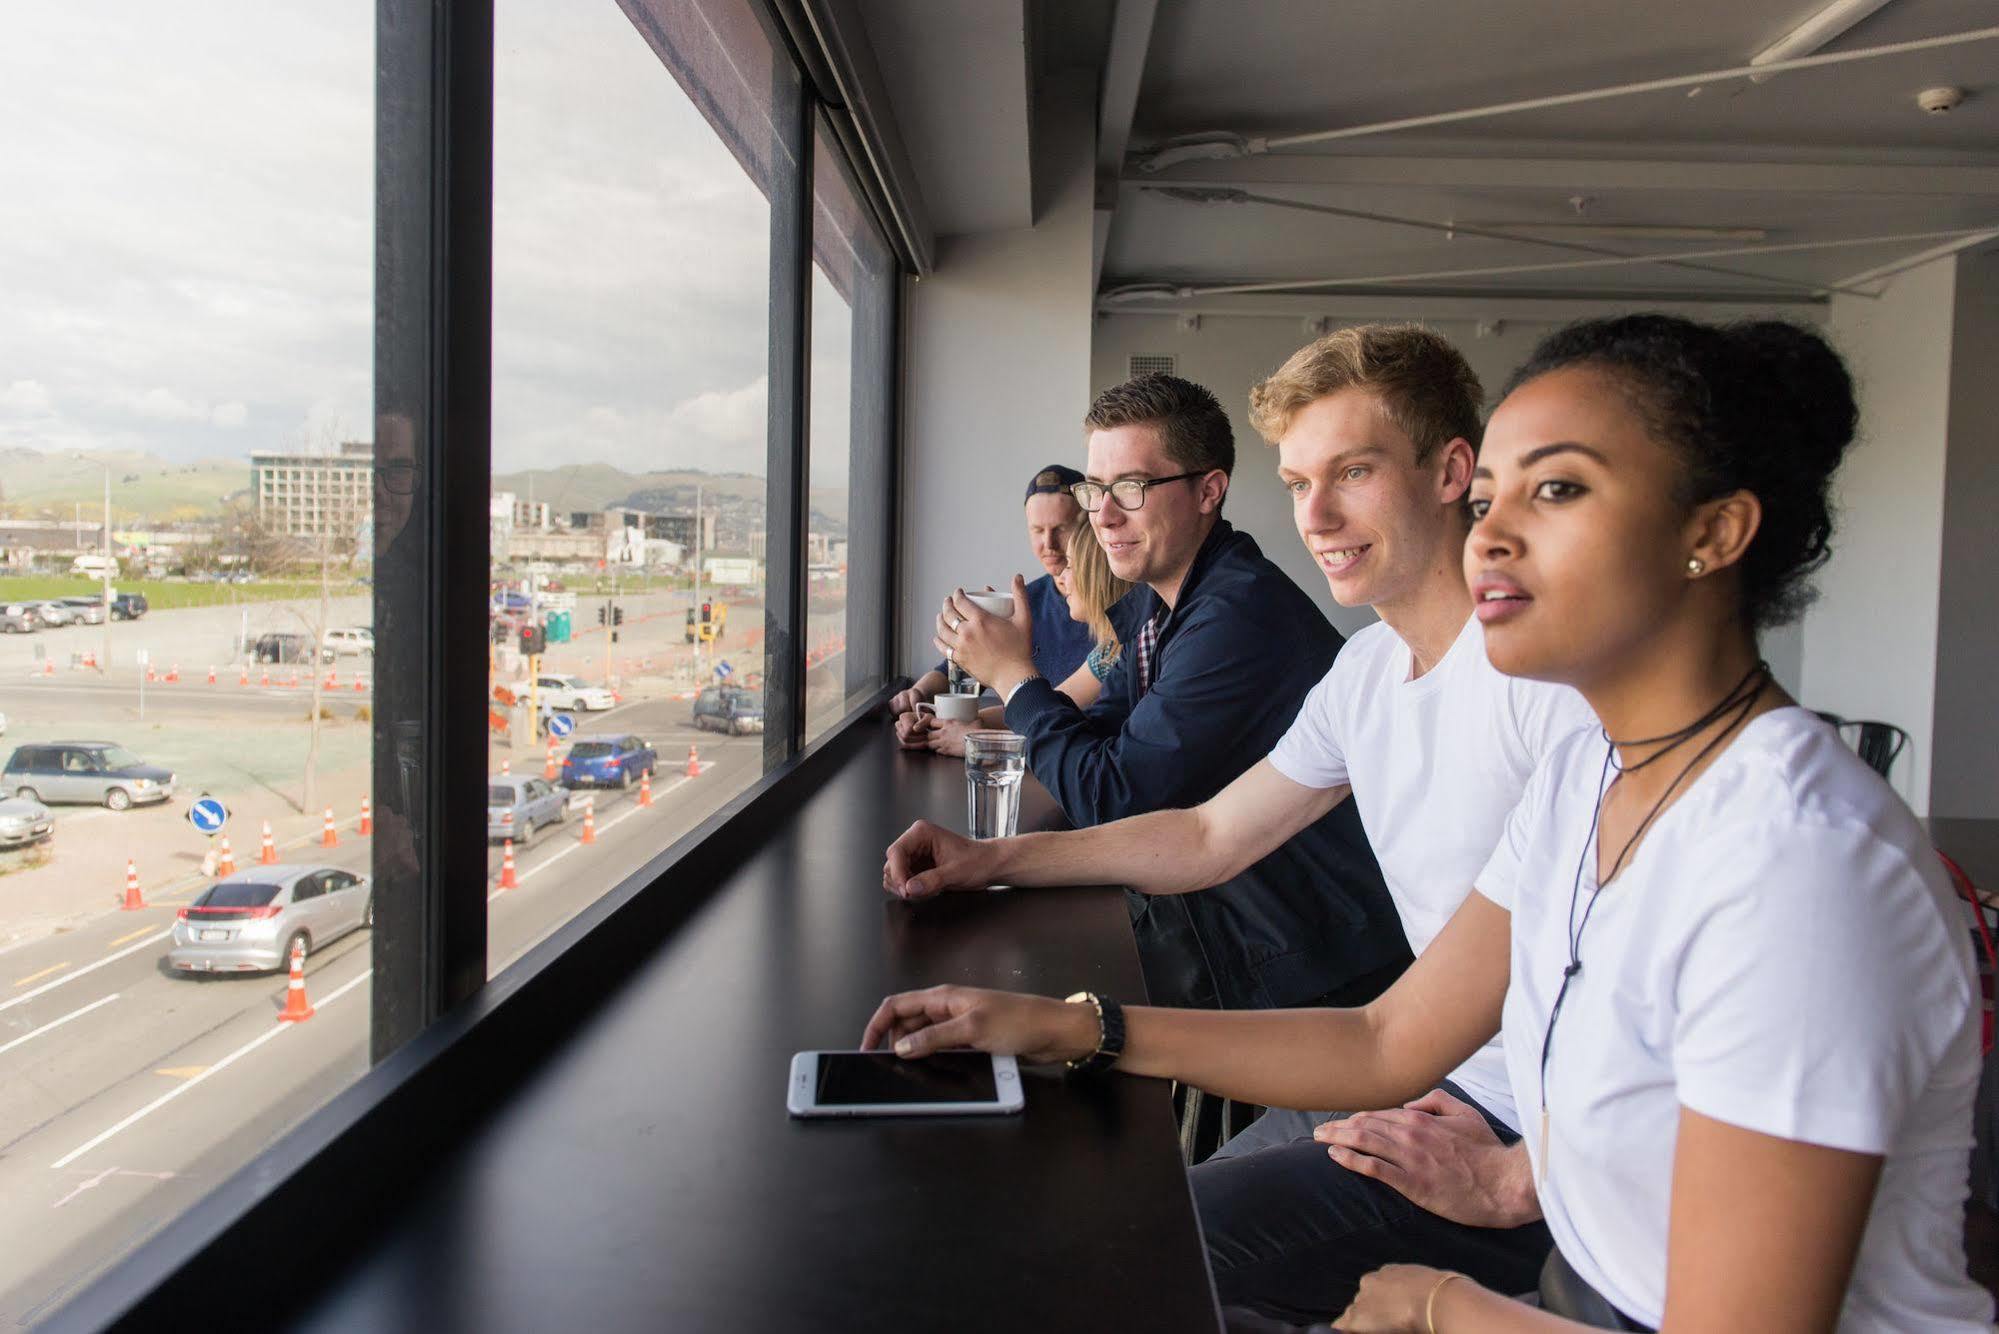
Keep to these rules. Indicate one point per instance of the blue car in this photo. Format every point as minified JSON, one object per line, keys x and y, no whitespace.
{"x":611,"y":760}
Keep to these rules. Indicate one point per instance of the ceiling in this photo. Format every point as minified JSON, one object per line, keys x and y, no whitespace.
{"x":1804,"y":162}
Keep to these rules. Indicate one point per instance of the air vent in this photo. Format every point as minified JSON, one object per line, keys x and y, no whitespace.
{"x":1151,"y":366}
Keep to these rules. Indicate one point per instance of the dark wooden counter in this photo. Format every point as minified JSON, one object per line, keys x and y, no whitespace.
{"x":647,"y":1175}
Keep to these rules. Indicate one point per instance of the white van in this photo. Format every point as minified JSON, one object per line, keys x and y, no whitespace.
{"x":96,"y":567}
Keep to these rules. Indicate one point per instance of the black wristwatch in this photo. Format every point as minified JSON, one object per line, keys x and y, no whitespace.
{"x":1110,"y":1034}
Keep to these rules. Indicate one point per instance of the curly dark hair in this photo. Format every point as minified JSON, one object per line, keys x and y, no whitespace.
{"x":1761,"y":406}
{"x":1196,"y":431}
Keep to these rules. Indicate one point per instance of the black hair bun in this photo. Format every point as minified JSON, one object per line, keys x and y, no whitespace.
{"x":1806,"y":382}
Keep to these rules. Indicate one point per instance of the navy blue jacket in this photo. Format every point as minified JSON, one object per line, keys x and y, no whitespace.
{"x":1060,"y":644}
{"x":1235,"y":660}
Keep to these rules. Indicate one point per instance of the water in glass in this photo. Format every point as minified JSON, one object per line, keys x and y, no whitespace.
{"x":994,"y":762}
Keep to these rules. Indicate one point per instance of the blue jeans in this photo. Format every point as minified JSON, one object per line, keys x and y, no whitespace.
{"x":1290,"y":1233}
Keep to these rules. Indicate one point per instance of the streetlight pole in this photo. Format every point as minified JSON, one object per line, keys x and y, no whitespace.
{"x":104,"y":665}
{"x":700,"y":626}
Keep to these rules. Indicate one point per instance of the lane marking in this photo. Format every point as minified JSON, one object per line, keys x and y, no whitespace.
{"x":181,"y":1071}
{"x":36,"y":977}
{"x":106,"y":1175}
{"x":57,"y":1023}
{"x":276,"y":1030}
{"x":86,"y":969}
{"x":127,"y":937}
{"x":603,"y":827}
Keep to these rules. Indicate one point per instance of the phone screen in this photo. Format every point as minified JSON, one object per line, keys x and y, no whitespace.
{"x":875,"y":1078}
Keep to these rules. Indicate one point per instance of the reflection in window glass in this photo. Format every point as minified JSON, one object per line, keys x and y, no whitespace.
{"x":853,"y":287}
{"x":631,"y":342}
{"x":186,"y":245}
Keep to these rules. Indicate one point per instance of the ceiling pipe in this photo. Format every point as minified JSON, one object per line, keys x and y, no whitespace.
{"x":1140,"y":291}
{"x":1816,"y":31}
{"x":1221,"y":195}
{"x":1225,"y":144}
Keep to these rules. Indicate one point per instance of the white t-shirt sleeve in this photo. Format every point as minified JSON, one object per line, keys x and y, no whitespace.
{"x":1310,"y":752}
{"x":1786,"y":1023}
{"x":1500,"y":880}
{"x":1545,"y":715}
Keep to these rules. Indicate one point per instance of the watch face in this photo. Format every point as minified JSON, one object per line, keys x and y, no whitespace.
{"x":1079,"y":998}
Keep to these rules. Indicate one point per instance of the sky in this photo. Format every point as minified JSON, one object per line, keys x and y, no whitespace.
{"x":187,"y":237}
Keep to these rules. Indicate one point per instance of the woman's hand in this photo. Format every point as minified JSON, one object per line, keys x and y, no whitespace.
{"x":1392,"y":1300}
{"x":912,"y":730}
{"x":1038,"y":1029}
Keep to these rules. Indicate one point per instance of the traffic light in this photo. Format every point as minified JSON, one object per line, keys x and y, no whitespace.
{"x":617,"y":616}
{"x":534,"y":640}
{"x":600,"y":615}
{"x":707,"y":612}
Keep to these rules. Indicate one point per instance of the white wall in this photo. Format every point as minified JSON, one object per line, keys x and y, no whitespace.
{"x":997,"y":357}
{"x":1230,"y":352}
{"x":1870,"y":640}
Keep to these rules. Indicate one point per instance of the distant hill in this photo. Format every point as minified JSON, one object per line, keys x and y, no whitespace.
{"x":144,"y":488}
{"x":595,"y":486}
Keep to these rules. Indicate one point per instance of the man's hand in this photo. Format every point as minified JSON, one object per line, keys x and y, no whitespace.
{"x":1440,"y":1153}
{"x":921,"y":691}
{"x":927,"y":860}
{"x":912,"y":730}
{"x":947,"y":736}
{"x":997,"y":650}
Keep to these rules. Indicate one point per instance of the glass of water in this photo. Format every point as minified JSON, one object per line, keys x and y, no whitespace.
{"x":994,"y":762}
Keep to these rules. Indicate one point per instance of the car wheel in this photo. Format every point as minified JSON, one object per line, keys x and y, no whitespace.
{"x":528,"y":831}
{"x":562,"y":812}
{"x":118,"y":799}
{"x":368,"y":913}
{"x":300,"y":943}
{"x":27,"y":794}
{"x":624,"y":778}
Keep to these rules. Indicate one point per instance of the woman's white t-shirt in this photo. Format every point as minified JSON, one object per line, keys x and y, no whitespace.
{"x":1781,"y":953}
{"x":1436,"y":765}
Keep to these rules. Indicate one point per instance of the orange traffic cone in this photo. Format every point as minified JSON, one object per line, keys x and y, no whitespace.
{"x":645,"y":787}
{"x":151,"y":676}
{"x":506,"y":768}
{"x":292,"y":680}
{"x":264,"y":676}
{"x":297,"y":1008}
{"x":507,"y":878}
{"x":589,"y":820}
{"x":359,"y":686}
{"x":268,"y":854}
{"x":693,"y":763}
{"x":173,"y":674}
{"x":227,"y":864}
{"x":134,"y":900}
{"x":550,"y":768}
{"x":332,"y":679}
{"x":327,"y":838}
{"x":48,"y":666}
{"x":367,"y":818}
{"x":211,"y":676}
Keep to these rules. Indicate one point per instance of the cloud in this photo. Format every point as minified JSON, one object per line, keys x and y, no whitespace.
{"x":731,"y":419}
{"x":231,"y":414}
{"x":26,"y":396}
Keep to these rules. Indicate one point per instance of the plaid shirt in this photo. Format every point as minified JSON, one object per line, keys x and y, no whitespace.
{"x":1145,"y":647}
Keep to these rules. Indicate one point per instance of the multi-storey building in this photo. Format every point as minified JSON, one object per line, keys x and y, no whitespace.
{"x":305,"y":495}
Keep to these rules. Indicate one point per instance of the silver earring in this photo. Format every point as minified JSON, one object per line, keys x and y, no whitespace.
{"x":1695,"y":566}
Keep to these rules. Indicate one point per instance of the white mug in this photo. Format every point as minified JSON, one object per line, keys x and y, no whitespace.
{"x":952,"y":708}
{"x":998,"y":604}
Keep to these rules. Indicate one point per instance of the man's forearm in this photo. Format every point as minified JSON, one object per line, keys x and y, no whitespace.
{"x":931,"y":683}
{"x":1513,"y":1189}
{"x":1165,"y":852}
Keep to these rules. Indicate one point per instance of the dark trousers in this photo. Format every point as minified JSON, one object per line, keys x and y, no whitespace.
{"x":1290,"y":1233}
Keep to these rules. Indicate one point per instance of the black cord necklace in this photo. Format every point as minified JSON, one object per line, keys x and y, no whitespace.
{"x":1735,"y":706}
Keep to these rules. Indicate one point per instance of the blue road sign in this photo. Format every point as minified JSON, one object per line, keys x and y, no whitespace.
{"x":208,"y":815}
{"x":724,"y":670}
{"x":561,"y":725}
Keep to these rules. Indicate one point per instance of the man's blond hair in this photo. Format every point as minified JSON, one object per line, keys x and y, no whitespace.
{"x":1425,"y":385}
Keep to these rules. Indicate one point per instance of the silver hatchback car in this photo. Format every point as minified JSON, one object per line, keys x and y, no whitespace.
{"x":247,"y":922}
{"x":520,"y":807}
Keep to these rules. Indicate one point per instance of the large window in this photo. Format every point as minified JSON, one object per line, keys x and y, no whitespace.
{"x":630,"y":514}
{"x":853,"y":295}
{"x":403,"y":424}
{"x":186,"y":244}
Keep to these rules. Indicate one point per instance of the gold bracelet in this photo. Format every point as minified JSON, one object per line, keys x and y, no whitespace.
{"x":1430,"y":1307}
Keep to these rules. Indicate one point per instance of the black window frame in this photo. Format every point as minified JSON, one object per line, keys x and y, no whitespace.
{"x":446,"y":1042}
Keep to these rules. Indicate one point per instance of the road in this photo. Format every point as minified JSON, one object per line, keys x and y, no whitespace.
{"x":127,"y":1092}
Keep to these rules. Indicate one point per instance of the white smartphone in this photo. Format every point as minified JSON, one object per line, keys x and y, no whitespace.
{"x":880,"y":1083}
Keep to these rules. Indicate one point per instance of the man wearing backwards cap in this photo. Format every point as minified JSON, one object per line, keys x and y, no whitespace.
{"x":1060,"y":644}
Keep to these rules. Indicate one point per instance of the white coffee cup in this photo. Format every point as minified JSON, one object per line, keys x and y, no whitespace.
{"x":997,"y":604}
{"x":952,"y":708}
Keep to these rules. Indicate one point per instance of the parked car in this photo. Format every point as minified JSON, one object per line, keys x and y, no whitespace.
{"x":730,"y":709}
{"x":18,"y":618}
{"x":128,"y":606}
{"x":88,"y":611}
{"x":3,"y":724}
{"x":612,"y":760}
{"x":569,"y":692}
{"x":285,"y":646}
{"x":520,"y":808}
{"x":53,"y":614}
{"x":89,"y":772}
{"x":247,"y":922}
{"x":23,"y":821}
{"x":348,"y":640}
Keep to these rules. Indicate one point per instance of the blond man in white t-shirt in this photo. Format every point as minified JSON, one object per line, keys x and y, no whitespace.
{"x":1373,"y":429}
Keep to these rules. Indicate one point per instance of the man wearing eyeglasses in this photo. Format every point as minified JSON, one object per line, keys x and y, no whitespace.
{"x":1221,"y":650}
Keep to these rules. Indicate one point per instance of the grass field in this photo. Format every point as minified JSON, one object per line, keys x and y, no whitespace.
{"x":166,"y":594}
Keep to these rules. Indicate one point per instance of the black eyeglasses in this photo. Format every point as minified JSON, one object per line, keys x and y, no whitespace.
{"x":1128,"y":492}
{"x":397,"y":476}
